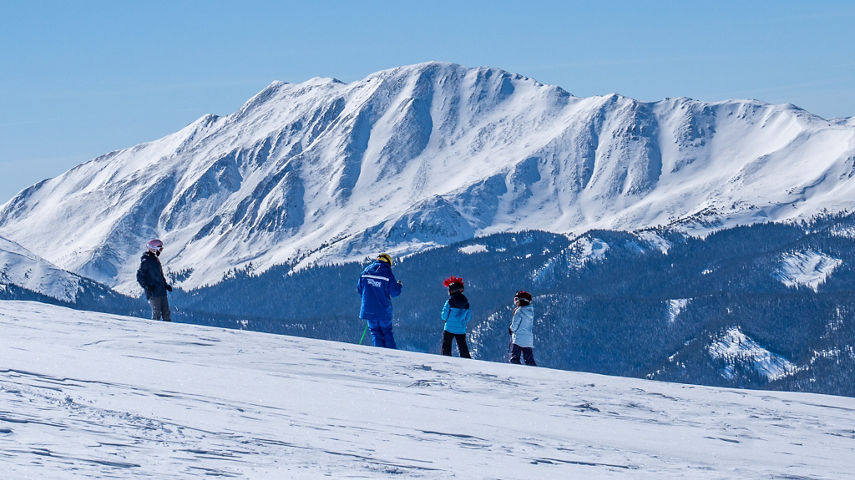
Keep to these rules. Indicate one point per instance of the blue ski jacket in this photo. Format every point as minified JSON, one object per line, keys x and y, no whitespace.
{"x":377,"y":285}
{"x":522,"y":324}
{"x":456,"y":313}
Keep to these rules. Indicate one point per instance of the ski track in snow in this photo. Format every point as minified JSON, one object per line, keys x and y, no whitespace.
{"x":88,"y":395}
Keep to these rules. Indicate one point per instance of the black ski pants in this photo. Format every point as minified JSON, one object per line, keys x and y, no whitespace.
{"x":160,"y":308}
{"x":447,"y":337}
{"x":527,"y":353}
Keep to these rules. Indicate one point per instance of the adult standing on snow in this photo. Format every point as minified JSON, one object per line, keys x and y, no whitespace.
{"x":377,"y":286}
{"x":151,"y":279}
{"x":521,"y":327}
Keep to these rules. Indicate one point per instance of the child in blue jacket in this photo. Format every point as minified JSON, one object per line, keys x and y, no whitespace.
{"x":521,"y":328}
{"x":456,"y":315}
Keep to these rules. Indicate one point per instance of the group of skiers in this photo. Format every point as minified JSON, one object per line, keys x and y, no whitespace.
{"x":377,"y":285}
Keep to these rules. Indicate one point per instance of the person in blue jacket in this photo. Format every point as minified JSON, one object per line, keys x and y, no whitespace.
{"x":377,"y":285}
{"x":521,"y":328}
{"x":456,"y":315}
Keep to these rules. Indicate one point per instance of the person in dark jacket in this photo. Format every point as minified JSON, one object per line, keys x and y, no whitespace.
{"x":151,"y":279}
{"x":456,"y":315}
{"x":377,"y":285}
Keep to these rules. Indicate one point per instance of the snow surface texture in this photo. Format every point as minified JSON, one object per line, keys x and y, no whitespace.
{"x":809,"y":269}
{"x":21,"y":267}
{"x":87,"y":395}
{"x":424,"y":155}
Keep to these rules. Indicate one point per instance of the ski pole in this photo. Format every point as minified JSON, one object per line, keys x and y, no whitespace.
{"x":363,"y":334}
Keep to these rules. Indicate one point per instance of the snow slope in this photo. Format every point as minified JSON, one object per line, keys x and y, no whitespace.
{"x":810,"y":269}
{"x":20,"y":267}
{"x":736,"y":347}
{"x":86,"y":395}
{"x":425,"y":155}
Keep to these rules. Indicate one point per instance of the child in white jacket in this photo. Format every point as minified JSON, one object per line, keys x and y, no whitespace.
{"x":521,"y":329}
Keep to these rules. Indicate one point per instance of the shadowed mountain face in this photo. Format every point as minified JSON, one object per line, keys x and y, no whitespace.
{"x":421,"y":156}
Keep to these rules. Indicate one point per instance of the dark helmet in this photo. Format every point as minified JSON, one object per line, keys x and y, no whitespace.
{"x":523,"y":297}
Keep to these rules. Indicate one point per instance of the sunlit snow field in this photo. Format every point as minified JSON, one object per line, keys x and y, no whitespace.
{"x":89,"y":395}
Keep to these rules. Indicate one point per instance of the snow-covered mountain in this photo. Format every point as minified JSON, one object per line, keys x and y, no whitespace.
{"x":425,"y":155}
{"x":22,"y":268}
{"x":89,"y":395}
{"x":26,"y":276}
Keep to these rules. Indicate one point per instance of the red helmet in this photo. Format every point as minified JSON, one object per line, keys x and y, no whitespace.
{"x":154,"y":244}
{"x":454,"y":284}
{"x":523,"y":295}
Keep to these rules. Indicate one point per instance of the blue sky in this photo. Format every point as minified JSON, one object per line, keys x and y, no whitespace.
{"x":80,"y":79}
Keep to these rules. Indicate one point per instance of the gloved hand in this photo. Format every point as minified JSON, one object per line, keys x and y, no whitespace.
{"x":168,"y":288}
{"x":510,"y":332}
{"x":400,"y":284}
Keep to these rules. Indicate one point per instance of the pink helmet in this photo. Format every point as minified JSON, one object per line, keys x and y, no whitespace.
{"x":154,"y":244}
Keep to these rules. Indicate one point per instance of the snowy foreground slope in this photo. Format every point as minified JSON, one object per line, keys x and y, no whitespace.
{"x":87,"y":395}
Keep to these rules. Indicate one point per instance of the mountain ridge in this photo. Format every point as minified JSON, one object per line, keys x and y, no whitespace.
{"x":427,"y":155}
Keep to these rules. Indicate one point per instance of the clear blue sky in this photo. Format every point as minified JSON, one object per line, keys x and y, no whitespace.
{"x":82,"y":78}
